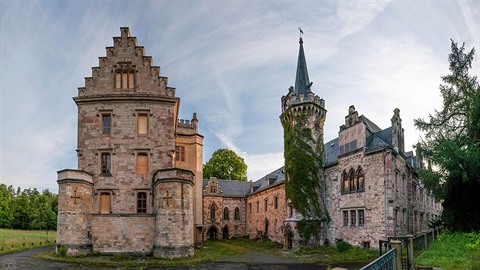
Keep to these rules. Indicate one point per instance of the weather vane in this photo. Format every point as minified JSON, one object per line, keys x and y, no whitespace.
{"x":301,"y":32}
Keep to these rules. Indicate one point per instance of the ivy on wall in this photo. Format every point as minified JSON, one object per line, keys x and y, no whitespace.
{"x":303,"y":166}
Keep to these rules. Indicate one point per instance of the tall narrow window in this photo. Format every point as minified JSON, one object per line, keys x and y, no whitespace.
{"x":105,"y":203}
{"x":142,"y":164}
{"x":237,"y":214}
{"x":106,"y":123}
{"x":352,"y":181}
{"x":266,"y":205}
{"x":225,"y":214}
{"x":250,"y":207}
{"x":106,"y":164}
{"x":361,"y":217}
{"x":275,"y":202}
{"x":124,"y":79}
{"x":258,"y":206}
{"x":142,"y":203}
{"x":180,"y":153}
{"x":213,"y":208}
{"x":345,"y":218}
{"x":142,"y":124}
{"x":353,"y":218}
{"x":345,"y":183}
{"x":360,"y":180}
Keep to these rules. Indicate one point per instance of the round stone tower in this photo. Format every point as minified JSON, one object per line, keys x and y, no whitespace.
{"x":303,"y":116}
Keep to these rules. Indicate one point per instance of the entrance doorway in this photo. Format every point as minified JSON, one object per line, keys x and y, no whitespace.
{"x":212,"y":233}
{"x":225,"y":233}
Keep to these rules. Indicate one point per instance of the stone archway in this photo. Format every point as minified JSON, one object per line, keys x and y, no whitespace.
{"x":225,"y":233}
{"x":212,"y":233}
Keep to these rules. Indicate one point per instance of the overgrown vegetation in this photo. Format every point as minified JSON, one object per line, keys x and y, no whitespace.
{"x":452,"y":144}
{"x":453,"y":251}
{"x":14,"y":240}
{"x":303,"y":163}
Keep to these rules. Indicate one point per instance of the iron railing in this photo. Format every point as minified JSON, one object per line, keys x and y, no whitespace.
{"x":387,"y":261}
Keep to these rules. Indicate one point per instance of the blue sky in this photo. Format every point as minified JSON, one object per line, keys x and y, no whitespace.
{"x":230,"y":61}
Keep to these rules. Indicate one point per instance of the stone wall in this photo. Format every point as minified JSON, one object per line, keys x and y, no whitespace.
{"x":74,"y":208}
{"x":126,"y":233}
{"x":257,"y":218}
{"x":234,"y":227}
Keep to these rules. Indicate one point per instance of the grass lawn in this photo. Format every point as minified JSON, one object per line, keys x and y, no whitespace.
{"x":215,"y":251}
{"x":453,"y":251}
{"x":13,"y":240}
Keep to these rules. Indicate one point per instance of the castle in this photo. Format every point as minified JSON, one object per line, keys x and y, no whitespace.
{"x":139,"y":185}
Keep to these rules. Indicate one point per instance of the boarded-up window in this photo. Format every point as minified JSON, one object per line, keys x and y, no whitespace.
{"x":118,"y":80}
{"x":142,"y":124}
{"x":131,"y":80}
{"x":142,"y":164}
{"x":105,"y":203}
{"x":124,"y":80}
{"x":142,"y":203}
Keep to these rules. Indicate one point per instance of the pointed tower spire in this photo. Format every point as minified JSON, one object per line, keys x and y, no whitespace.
{"x":302,"y":83}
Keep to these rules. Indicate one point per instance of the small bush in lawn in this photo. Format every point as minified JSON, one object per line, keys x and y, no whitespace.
{"x":62,"y":251}
{"x":343,"y":246}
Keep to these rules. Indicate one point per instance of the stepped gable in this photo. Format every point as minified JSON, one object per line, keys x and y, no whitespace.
{"x":124,"y":71}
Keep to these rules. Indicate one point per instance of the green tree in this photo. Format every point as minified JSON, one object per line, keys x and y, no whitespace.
{"x":225,"y":164}
{"x":451,"y":144}
{"x":6,"y":214}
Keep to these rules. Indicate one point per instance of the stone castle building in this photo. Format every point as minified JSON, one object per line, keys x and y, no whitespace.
{"x":139,"y":185}
{"x":371,"y":189}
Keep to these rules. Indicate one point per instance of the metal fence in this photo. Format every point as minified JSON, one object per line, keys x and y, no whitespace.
{"x":387,"y":261}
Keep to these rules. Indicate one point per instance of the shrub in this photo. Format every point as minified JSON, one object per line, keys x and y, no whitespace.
{"x":62,"y":251}
{"x":343,"y":246}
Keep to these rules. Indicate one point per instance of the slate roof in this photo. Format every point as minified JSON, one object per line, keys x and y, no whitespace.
{"x":231,"y":188}
{"x":379,"y":141}
{"x":276,"y":177}
{"x":331,"y":152}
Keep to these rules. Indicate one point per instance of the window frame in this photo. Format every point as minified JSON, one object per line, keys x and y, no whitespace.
{"x":361,"y":218}
{"x":345,"y":218}
{"x":180,"y":153}
{"x":137,"y":161}
{"x":142,"y":203}
{"x":139,"y":126}
{"x":226,"y":214}
{"x":106,"y":129}
{"x":106,"y":164}
{"x":353,"y":218}
{"x":104,"y":194}
{"x":236,"y":214}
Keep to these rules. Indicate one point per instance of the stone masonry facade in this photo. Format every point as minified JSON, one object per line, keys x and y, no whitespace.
{"x":133,"y":191}
{"x":139,"y":185}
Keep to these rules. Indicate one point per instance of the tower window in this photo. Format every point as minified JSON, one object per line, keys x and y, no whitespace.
{"x":124,"y":79}
{"x":105,"y":203}
{"x":106,"y":123}
{"x":106,"y":164}
{"x":142,"y":164}
{"x":142,"y":203}
{"x":142,"y":124}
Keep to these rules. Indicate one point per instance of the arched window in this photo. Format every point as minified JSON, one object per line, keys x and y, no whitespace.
{"x":237,"y":214}
{"x":225,"y":214}
{"x":351,"y":180}
{"x":213,"y":208}
{"x":360,"y":180}
{"x":344,"y":182}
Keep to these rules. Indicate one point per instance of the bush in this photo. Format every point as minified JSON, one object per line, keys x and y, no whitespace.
{"x":343,"y":246}
{"x":62,"y":251}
